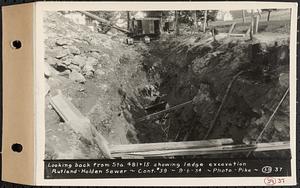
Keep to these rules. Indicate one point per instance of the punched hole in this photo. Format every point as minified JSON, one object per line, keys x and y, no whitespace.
{"x":17,"y":147}
{"x":16,"y":44}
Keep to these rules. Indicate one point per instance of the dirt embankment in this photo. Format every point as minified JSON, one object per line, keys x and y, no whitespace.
{"x":100,"y":75}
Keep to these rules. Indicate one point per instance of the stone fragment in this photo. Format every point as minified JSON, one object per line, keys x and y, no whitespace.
{"x":99,"y":72}
{"x":67,"y":61}
{"x":62,"y":42}
{"x":95,"y":55}
{"x":88,"y":70}
{"x":284,"y":79}
{"x":79,"y":60}
{"x":74,"y":67}
{"x":47,"y":88}
{"x":50,"y":43}
{"x":65,"y":73}
{"x":62,"y":53}
{"x":203,"y":95}
{"x":77,"y":77}
{"x":281,"y":125}
{"x":74,"y":50}
{"x":92,"y":61}
{"x":51,"y":61}
{"x":47,"y":72}
{"x":51,"y":25}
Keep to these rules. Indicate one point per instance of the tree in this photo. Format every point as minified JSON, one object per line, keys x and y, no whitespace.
{"x":205,"y":21}
{"x":176,"y":22}
{"x":252,"y":25}
{"x":189,"y":18}
{"x":195,"y":20}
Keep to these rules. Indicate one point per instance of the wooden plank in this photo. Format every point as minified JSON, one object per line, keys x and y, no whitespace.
{"x":65,"y":108}
{"x":155,"y":105}
{"x":169,"y":145}
{"x":248,"y":31}
{"x":165,"y":111}
{"x":79,"y":123}
{"x":274,"y":146}
{"x":237,"y":35}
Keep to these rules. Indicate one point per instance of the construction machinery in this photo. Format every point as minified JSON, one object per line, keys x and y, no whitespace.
{"x":138,"y":28}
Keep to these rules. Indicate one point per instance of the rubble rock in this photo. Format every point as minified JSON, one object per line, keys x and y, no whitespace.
{"x":62,"y":42}
{"x":65,"y":73}
{"x":284,"y":79}
{"x":104,"y":59}
{"x":62,"y":53}
{"x":95,"y":55}
{"x":74,"y":50}
{"x":202,"y":95}
{"x":47,"y":72}
{"x":51,"y":61}
{"x":88,"y":70}
{"x":99,"y":72}
{"x":54,"y":82}
{"x":81,"y":89}
{"x":77,"y":77}
{"x":47,"y":88}
{"x":74,"y":67}
{"x":50,"y":43}
{"x":79,"y":60}
{"x":67,"y":61}
{"x":92,"y":61}
{"x":281,"y":125}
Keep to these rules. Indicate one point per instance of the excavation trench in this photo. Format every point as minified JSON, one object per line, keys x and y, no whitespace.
{"x":205,"y":90}
{"x":197,"y":88}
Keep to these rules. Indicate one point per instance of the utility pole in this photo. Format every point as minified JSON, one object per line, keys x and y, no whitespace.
{"x":269,"y":13}
{"x":243,"y":14}
{"x":128,"y":20}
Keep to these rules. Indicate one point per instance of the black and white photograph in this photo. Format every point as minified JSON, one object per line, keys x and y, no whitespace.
{"x":167,"y":84}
